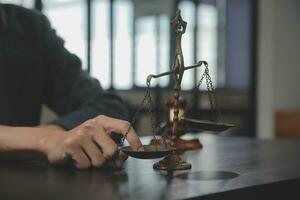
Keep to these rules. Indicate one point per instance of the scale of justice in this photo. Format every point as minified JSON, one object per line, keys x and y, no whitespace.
{"x":169,"y":145}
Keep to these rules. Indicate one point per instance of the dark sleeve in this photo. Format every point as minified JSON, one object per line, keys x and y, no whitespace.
{"x":70,"y":92}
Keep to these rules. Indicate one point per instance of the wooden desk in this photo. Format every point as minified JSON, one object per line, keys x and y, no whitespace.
{"x":226,"y":167}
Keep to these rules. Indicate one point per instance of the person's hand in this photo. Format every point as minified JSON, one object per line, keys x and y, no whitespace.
{"x":90,"y":143}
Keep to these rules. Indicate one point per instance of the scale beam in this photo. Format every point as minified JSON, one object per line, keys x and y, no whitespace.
{"x":175,"y":71}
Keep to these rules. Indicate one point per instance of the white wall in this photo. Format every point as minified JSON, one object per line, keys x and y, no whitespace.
{"x":287,"y":56}
{"x":278,"y":61}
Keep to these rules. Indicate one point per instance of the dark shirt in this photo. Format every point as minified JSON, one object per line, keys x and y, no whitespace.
{"x":36,"y":69}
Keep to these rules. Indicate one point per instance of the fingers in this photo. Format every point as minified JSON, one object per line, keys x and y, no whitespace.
{"x":82,"y":161}
{"x":108,"y":146}
{"x":74,"y":151}
{"x":92,"y":150}
{"x":120,"y":126}
{"x":120,"y":159}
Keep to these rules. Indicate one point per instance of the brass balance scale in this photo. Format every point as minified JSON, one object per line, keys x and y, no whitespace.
{"x":170,"y":142}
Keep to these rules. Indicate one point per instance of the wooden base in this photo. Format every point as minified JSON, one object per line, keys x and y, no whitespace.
{"x":287,"y":124}
{"x":180,"y":144}
{"x":192,"y":144}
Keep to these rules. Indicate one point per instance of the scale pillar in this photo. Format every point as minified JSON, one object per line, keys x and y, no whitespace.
{"x":173,"y":160}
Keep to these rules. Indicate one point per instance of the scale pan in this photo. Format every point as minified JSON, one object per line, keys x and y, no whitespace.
{"x":150,"y":151}
{"x":206,"y":125}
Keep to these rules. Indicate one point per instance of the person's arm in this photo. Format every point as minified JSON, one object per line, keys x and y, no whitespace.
{"x":51,"y":127}
{"x":20,"y":143}
{"x":89,"y":144}
{"x":70,"y":92}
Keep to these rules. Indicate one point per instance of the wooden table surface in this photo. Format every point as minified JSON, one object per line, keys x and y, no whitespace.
{"x":227,"y":167}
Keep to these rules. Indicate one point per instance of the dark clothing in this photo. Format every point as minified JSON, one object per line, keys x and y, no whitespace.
{"x":36,"y":69}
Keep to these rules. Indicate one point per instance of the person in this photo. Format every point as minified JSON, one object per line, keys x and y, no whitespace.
{"x":36,"y":69}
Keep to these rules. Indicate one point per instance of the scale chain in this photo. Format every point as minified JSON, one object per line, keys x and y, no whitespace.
{"x":197,"y":86}
{"x":210,"y":97}
{"x":150,"y":107}
{"x":150,"y":110}
{"x":154,"y":123}
{"x":134,"y":118}
{"x":211,"y":92}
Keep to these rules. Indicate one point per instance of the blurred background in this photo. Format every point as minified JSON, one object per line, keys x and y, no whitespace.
{"x":252,"y":48}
